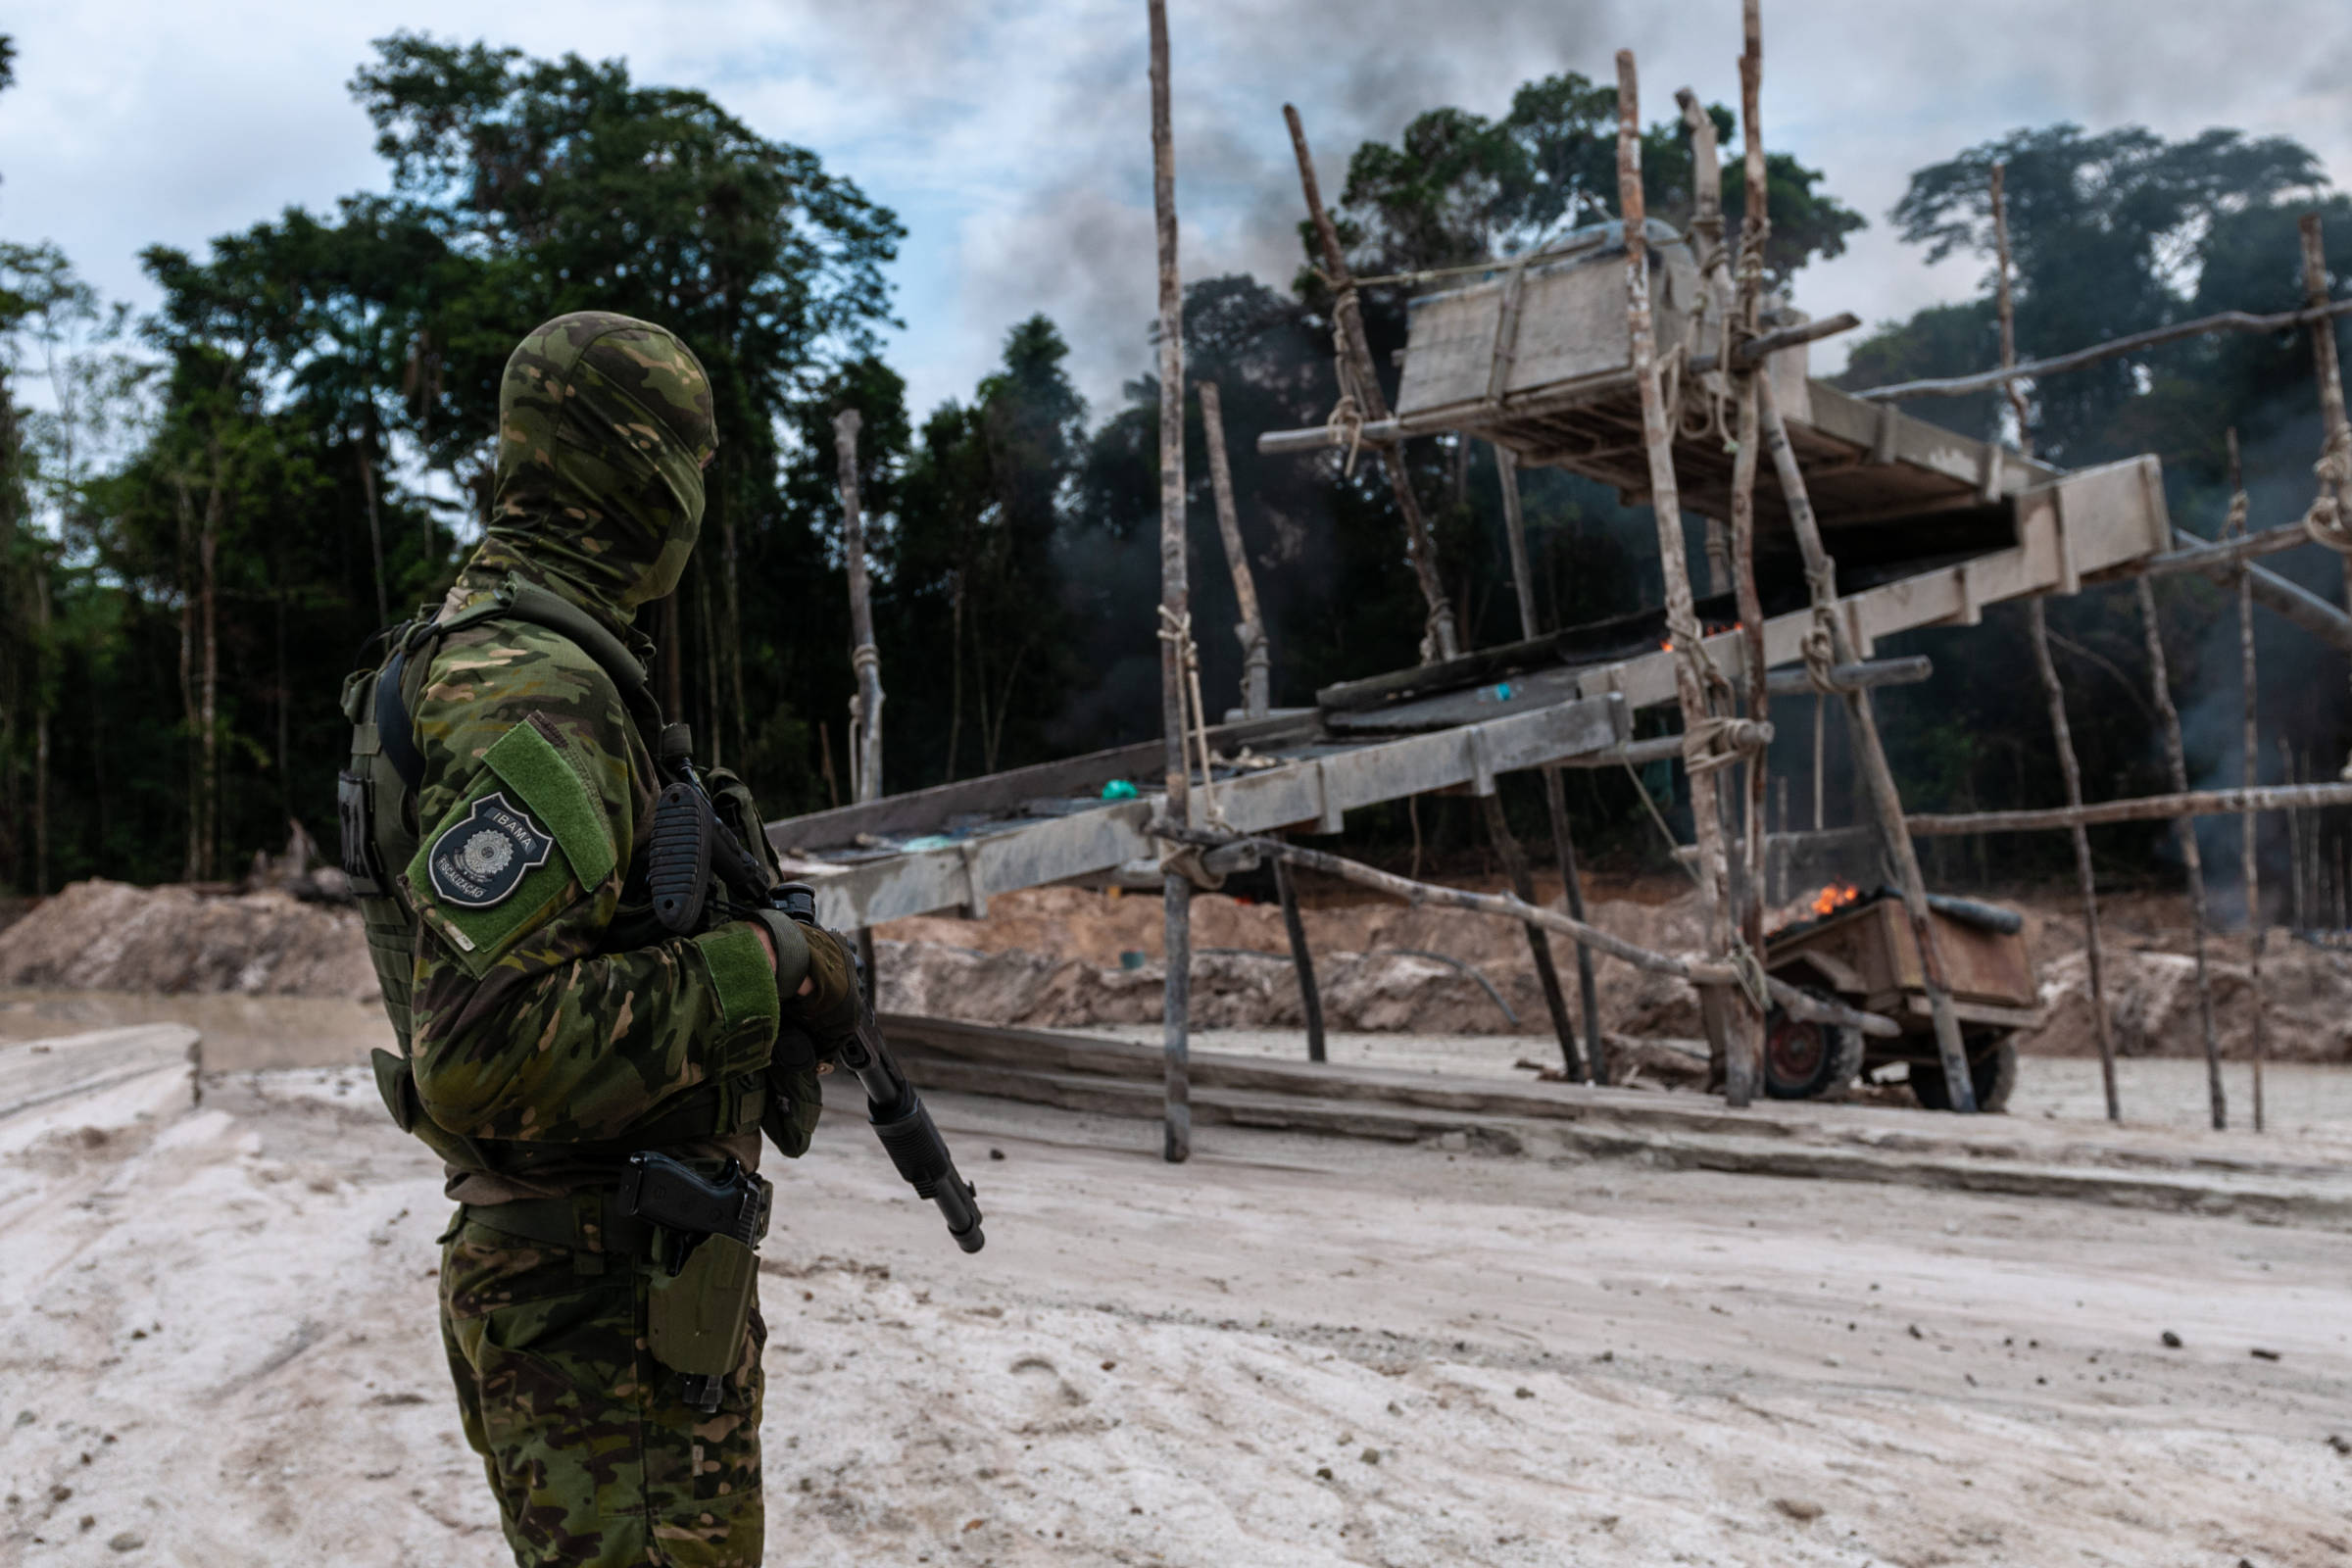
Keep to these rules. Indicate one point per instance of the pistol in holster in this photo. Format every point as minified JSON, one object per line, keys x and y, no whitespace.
{"x":708,"y":1267}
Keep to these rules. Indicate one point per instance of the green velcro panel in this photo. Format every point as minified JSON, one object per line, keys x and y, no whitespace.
{"x":740,"y":972}
{"x":529,"y":762}
{"x":525,"y":770}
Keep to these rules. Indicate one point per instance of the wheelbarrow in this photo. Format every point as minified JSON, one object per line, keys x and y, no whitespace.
{"x":1858,"y":947}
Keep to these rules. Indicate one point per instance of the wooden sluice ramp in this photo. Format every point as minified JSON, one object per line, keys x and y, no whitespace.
{"x":2158,"y":1168}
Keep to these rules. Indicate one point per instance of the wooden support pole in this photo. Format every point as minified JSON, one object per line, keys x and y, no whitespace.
{"x":1572,"y":883}
{"x":1539,"y":940}
{"x":2141,"y":808}
{"x":865,"y":657}
{"x":1821,"y":732}
{"x":2336,"y":429}
{"x":2250,"y":774}
{"x":1706,"y":230}
{"x":2290,"y":601}
{"x":1740,"y":331}
{"x":2062,"y":733}
{"x":866,"y":752}
{"x":2176,"y":761}
{"x":1514,"y":533}
{"x":1174,"y":603}
{"x":1742,"y":1023}
{"x":1700,"y":972}
{"x":1251,"y":628}
{"x":1302,"y":958}
{"x":1555,"y":792}
{"x":2008,"y":310}
{"x":1355,"y":352}
{"x":2208,"y":558}
{"x":1821,"y":579}
{"x":2291,"y":774}
{"x":2322,"y":309}
{"x":2085,"y":881}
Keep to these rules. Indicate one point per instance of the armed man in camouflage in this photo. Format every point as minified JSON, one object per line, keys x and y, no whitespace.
{"x":496,"y":816}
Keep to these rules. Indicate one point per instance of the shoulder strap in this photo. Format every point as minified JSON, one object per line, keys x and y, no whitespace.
{"x":528,"y":602}
{"x":516,"y":600}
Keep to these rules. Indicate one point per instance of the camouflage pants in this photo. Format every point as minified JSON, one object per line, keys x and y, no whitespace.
{"x":595,"y":1460}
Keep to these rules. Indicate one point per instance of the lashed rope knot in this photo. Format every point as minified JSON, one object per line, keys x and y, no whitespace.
{"x":1345,"y":425}
{"x":1819,"y":648}
{"x":2235,"y":525}
{"x":2326,"y":521}
{"x":1722,"y":739}
{"x":1176,"y":630}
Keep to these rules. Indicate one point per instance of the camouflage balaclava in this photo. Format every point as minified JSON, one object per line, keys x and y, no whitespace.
{"x":604,"y":423}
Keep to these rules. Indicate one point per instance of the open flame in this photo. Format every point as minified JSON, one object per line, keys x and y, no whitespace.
{"x":1837,"y":895}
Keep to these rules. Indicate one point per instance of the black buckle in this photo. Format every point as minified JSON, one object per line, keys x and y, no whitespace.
{"x":355,"y":811}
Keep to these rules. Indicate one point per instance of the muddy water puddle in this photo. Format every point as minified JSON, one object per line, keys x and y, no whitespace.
{"x":240,"y":1033}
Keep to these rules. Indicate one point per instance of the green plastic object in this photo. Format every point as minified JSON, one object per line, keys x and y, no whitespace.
{"x":1119,"y":789}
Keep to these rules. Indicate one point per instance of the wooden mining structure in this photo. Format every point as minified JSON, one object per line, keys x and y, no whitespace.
{"x":1626,"y":354}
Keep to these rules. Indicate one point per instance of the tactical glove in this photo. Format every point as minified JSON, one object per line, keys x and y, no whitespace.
{"x":830,"y":1009}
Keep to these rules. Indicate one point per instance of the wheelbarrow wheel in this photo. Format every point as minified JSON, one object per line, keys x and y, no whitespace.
{"x":1991,"y":1072}
{"x":1805,"y":1060}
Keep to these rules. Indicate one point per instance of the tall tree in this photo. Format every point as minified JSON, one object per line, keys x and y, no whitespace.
{"x":584,"y":189}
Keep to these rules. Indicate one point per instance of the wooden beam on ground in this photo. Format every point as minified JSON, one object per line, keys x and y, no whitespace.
{"x":1174,"y":598}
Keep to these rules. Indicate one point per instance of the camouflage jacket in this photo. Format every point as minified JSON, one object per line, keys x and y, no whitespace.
{"x":544,"y":1007}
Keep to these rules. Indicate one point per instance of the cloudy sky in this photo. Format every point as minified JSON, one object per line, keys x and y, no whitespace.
{"x":1014,"y":139}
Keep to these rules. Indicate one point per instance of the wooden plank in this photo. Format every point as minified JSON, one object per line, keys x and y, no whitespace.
{"x":929,"y":811}
{"x":1905,"y":440}
{"x":1305,"y":791}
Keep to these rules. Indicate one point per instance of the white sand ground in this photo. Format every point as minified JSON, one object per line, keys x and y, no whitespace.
{"x":217,"y":1346}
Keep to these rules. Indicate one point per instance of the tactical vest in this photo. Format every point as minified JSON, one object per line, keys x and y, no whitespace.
{"x":376,"y":803}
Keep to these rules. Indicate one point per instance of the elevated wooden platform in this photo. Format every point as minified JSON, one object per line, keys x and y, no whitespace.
{"x":1457,"y":725}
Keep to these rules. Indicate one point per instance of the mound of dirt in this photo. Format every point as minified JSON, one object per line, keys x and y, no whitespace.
{"x":112,"y":936}
{"x":1067,"y":957}
{"x":2153,"y":1008}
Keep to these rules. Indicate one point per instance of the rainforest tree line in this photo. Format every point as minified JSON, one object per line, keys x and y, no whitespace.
{"x":205,"y":509}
